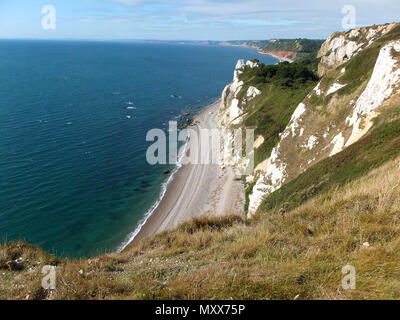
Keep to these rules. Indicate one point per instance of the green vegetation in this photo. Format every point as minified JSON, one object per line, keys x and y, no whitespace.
{"x":310,"y":61}
{"x":271,"y":114}
{"x":283,"y":74}
{"x":295,"y":48}
{"x":283,"y":87}
{"x":296,"y":45}
{"x":299,"y":46}
{"x":381,"y":145}
{"x":296,"y":254}
{"x":394,"y":34}
{"x":359,"y":68}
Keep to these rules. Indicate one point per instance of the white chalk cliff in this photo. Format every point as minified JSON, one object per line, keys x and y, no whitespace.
{"x":231,"y":111}
{"x":384,"y":78}
{"x":341,"y":47}
{"x":312,"y":135}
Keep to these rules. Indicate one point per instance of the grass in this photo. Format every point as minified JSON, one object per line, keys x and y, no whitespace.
{"x":279,"y":255}
{"x":358,"y":70}
{"x":297,"y":45}
{"x":282,"y":88}
{"x":381,"y":145}
{"x":271,"y":115}
{"x":310,"y":61}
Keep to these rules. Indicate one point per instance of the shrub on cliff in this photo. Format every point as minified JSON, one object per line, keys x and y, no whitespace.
{"x":284,"y":74}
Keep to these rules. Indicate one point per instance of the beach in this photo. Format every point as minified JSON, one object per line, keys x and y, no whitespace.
{"x":276,"y":55}
{"x":196,"y":190}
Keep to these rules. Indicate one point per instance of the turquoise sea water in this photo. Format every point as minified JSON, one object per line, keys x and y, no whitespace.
{"x":73,"y":174}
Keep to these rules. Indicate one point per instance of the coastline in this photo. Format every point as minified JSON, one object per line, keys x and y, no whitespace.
{"x":281,"y":59}
{"x":269,"y":53}
{"x":193,"y":190}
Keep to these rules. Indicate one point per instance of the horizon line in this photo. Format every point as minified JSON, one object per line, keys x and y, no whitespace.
{"x":158,"y":40}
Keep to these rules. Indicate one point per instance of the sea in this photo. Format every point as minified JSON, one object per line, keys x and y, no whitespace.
{"x":74,"y":115}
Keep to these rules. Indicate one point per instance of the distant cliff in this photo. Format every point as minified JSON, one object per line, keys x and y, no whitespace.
{"x":284,"y":49}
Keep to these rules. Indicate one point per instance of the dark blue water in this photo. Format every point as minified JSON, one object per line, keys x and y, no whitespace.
{"x":73,"y":174}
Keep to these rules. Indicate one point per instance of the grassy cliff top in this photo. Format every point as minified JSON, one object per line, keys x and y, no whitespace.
{"x":294,"y":251}
{"x":295,"y":45}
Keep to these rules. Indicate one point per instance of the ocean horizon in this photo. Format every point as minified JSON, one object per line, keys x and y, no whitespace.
{"x":73,"y":121}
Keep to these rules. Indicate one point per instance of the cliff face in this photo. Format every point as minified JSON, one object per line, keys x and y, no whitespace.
{"x":339,"y":110}
{"x":360,"y":73}
{"x":342,"y":46}
{"x":231,"y":111}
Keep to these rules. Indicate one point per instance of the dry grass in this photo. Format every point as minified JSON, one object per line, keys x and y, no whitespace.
{"x":274,"y":256}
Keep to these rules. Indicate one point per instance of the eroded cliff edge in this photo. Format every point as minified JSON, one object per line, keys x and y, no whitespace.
{"x":358,"y":75}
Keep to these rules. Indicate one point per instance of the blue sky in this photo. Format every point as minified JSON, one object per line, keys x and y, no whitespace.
{"x":189,"y":19}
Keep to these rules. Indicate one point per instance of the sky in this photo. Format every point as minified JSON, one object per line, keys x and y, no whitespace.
{"x":188,"y":19}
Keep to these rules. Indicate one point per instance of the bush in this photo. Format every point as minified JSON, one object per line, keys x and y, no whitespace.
{"x":283,"y":74}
